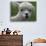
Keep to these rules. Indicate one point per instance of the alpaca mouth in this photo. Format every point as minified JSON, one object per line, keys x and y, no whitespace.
{"x":26,"y":16}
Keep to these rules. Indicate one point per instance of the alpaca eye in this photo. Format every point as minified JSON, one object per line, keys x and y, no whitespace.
{"x":21,"y":9}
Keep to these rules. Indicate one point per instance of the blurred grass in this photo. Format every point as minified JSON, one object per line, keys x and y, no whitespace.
{"x":14,"y":11}
{"x":33,"y":16}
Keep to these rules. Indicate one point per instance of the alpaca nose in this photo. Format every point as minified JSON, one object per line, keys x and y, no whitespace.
{"x":26,"y":14}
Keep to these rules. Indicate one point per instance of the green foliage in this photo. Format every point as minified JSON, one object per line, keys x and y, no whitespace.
{"x":14,"y":10}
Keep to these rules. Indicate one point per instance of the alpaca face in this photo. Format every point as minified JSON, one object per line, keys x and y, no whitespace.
{"x":25,"y":10}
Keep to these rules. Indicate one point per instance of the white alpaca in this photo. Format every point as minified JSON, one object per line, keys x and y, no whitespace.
{"x":25,"y":11}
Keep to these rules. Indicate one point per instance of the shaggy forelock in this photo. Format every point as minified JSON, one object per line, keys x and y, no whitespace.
{"x":25,"y":4}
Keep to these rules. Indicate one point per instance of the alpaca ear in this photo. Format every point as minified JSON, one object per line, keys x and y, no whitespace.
{"x":33,"y":7}
{"x":18,"y":3}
